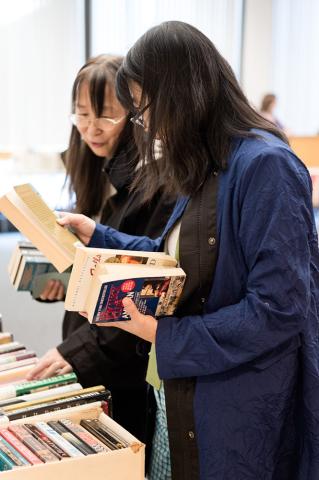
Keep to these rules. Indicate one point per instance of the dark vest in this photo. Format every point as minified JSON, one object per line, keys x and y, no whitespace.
{"x":198,"y":255}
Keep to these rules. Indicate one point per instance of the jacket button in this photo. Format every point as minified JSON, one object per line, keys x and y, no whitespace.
{"x":211,"y":241}
{"x":191,"y":434}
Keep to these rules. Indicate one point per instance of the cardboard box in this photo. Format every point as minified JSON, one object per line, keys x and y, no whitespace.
{"x":124,"y":464}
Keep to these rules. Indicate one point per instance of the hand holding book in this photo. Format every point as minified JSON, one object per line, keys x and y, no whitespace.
{"x":82,"y":226}
{"x":143,"y":326}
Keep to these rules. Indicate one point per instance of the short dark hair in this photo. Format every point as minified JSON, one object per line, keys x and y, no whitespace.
{"x":196,"y":105}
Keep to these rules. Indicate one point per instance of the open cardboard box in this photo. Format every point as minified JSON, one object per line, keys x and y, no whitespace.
{"x":123,"y":464}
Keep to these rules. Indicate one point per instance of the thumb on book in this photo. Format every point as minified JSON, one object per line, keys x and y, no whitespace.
{"x":129,"y":306}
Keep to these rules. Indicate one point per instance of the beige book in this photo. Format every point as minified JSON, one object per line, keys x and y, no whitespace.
{"x":24,"y":207}
{"x":154,"y":290}
{"x":86,"y":260}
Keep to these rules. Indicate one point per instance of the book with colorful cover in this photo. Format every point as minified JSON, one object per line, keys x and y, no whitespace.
{"x":155,"y":291}
{"x":87,"y":259}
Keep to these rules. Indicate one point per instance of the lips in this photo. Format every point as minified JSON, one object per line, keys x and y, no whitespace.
{"x":97,"y":145}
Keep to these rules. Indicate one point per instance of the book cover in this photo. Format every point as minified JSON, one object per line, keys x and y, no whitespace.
{"x":24,"y":207}
{"x":87,"y":259}
{"x":155,"y":291}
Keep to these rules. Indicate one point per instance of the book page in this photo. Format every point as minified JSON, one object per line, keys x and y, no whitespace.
{"x":46,"y":217}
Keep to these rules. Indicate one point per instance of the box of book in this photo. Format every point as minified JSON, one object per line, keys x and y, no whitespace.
{"x":79,"y":442}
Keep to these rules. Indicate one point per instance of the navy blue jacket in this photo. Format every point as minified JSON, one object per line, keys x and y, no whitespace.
{"x":254,"y":352}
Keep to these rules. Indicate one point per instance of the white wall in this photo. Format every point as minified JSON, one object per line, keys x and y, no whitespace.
{"x":117,"y":24}
{"x":256,"y":78}
{"x":41,"y":49}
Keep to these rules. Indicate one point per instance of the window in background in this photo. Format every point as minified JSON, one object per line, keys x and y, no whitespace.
{"x":41,"y":49}
{"x":117,"y":24}
{"x":295,"y":66}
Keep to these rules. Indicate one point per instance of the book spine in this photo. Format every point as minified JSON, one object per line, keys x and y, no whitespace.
{"x":59,"y":440}
{"x":28,"y":387}
{"x":110,"y":434}
{"x":15,"y":456}
{"x":57,"y":405}
{"x":67,"y":435}
{"x":20,"y":447}
{"x":11,"y":347}
{"x":5,"y":338}
{"x":36,"y":446}
{"x":37,"y":433}
{"x":20,"y":363}
{"x":84,"y":435}
{"x":5,"y":358}
{"x":5,"y":462}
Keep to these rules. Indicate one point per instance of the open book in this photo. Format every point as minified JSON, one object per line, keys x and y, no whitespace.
{"x":101,"y":278}
{"x":24,"y":207}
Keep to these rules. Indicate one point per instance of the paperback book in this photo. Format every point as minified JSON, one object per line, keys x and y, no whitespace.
{"x":28,"y":212}
{"x":155,"y":291}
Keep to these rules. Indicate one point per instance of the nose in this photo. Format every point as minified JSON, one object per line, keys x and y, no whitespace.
{"x":92,"y":128}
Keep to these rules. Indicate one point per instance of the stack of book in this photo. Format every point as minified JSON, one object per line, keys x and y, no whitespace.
{"x":20,"y":398}
{"x":29,"y":270}
{"x":101,"y":278}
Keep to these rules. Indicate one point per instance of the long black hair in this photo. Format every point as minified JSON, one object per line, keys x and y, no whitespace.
{"x":195,"y":105}
{"x":85,"y":169}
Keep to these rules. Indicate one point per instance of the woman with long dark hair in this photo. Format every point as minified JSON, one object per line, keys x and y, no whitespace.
{"x":101,"y":162}
{"x":239,"y":359}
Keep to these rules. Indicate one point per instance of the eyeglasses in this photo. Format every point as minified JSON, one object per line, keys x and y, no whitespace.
{"x":102,"y":123}
{"x":138,"y":119}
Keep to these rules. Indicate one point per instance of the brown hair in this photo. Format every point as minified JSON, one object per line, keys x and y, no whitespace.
{"x":267,"y":101}
{"x":85,"y":169}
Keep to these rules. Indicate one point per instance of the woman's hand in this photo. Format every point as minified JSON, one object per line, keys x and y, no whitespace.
{"x":51,"y":364}
{"x":143,"y":326}
{"x":53,"y":290}
{"x":82,"y":226}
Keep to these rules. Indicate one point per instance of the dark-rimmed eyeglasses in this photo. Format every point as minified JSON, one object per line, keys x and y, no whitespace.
{"x":138,"y":119}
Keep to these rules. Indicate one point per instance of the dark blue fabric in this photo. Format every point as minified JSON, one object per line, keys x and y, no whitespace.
{"x":257,"y":391}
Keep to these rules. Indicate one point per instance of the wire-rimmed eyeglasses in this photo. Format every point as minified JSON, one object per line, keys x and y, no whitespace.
{"x":103,"y":123}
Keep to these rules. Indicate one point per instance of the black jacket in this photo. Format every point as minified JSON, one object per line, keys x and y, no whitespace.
{"x":109,"y":356}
